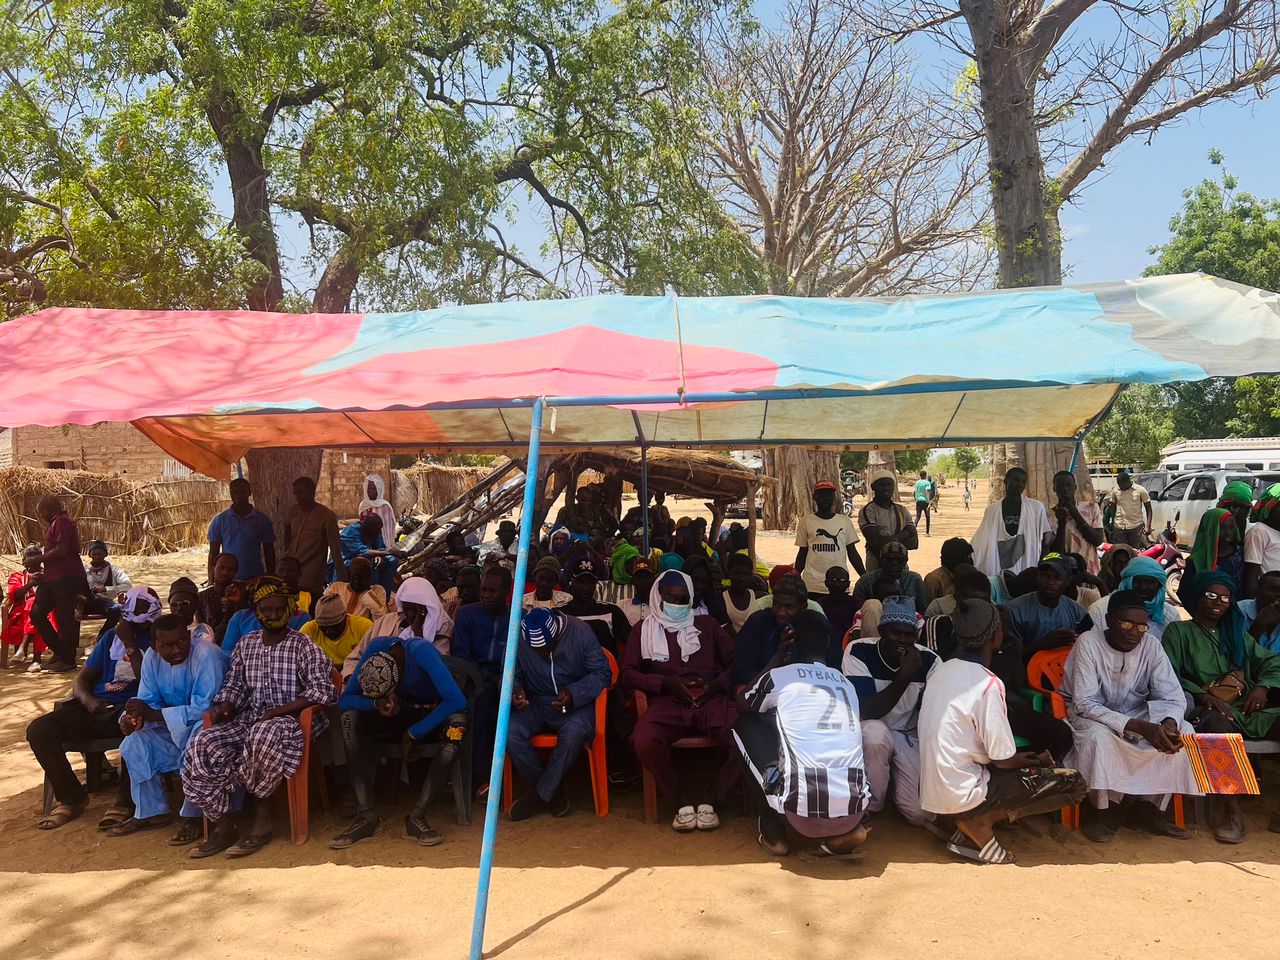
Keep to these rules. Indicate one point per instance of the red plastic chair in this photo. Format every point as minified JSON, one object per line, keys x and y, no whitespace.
{"x":595,"y":752}
{"x":1045,"y":672}
{"x":298,"y":786}
{"x":684,"y":743}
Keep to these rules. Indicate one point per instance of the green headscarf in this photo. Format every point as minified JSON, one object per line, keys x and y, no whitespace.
{"x":1204,"y":551}
{"x":618,"y":561}
{"x":1267,"y":503}
{"x":1231,"y":628}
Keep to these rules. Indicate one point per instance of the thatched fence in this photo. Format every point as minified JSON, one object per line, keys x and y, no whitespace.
{"x":136,"y":518}
{"x":427,"y":488}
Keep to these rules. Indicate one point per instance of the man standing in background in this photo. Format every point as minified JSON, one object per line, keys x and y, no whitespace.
{"x":62,"y":582}
{"x":312,"y":536}
{"x":1133,"y":512}
{"x":826,"y":538}
{"x":245,"y":531}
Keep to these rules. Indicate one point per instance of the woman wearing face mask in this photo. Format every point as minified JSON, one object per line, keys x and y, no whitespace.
{"x":681,"y":662}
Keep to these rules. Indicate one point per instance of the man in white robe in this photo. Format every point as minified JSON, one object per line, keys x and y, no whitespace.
{"x":1014,"y":531}
{"x":1125,"y":706}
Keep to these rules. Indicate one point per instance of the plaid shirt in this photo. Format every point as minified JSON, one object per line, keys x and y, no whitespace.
{"x":262,"y":678}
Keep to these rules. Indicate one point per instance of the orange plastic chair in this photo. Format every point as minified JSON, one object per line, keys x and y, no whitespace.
{"x":1045,"y":672}
{"x":595,"y":751}
{"x":298,"y":786}
{"x":684,"y":743}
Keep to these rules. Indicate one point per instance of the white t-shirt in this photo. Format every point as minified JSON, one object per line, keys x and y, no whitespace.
{"x":820,"y":740}
{"x":1262,"y":546}
{"x":963,"y":726}
{"x":828,"y":544}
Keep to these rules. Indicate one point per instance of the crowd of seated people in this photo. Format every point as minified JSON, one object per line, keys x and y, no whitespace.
{"x":830,"y":703}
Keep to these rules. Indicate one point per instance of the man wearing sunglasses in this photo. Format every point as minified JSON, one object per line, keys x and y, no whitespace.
{"x":1125,"y":707}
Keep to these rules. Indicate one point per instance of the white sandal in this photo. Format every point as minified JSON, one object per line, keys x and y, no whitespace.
{"x":686,"y":820}
{"x":707,"y":817}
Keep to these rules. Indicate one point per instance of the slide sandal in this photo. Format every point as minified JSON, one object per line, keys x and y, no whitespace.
{"x":991,"y":852}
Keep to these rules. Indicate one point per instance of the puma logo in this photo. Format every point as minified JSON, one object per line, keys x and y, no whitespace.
{"x":832,"y":547}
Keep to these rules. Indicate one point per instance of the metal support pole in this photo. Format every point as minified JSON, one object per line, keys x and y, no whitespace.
{"x":494,"y":805}
{"x":644,"y":500}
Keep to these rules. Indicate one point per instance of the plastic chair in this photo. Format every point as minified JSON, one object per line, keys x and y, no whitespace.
{"x":471,"y":683}
{"x":1045,"y":672}
{"x":95,"y":760}
{"x":298,"y":786}
{"x":684,"y":743}
{"x":595,"y":751}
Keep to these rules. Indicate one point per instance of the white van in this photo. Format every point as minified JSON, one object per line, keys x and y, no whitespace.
{"x":1195,"y":456}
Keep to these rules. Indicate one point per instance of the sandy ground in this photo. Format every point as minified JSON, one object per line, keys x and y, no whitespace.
{"x":584,"y":887}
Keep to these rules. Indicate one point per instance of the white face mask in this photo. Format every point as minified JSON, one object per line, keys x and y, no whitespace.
{"x":677,"y":612}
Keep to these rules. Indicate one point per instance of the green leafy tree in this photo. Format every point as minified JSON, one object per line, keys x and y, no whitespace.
{"x":966,"y":460}
{"x":911,"y":461}
{"x":1236,"y":236}
{"x":1139,"y":425}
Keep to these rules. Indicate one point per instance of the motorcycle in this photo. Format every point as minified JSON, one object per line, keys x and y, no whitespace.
{"x":1166,"y":553}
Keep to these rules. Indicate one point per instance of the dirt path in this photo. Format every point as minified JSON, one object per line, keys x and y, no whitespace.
{"x":616,"y":888}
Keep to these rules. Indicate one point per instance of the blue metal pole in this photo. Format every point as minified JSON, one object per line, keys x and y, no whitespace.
{"x":494,"y":804}
{"x":644,"y":499}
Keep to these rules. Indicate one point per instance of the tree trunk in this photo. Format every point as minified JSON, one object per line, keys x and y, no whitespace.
{"x":796,"y":471}
{"x":250,"y":207}
{"x":1025,"y":209}
{"x":338,"y":283}
{"x":272,"y":471}
{"x":1026,"y":223}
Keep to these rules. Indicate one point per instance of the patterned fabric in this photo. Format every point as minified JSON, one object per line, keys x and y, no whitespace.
{"x":248,"y":751}
{"x":1219,"y":763}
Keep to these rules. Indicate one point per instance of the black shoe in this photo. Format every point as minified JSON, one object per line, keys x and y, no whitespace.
{"x":1100,"y":827}
{"x":559,"y":804}
{"x":362,"y":828}
{"x":1162,"y":826}
{"x":416,"y":827}
{"x":58,"y":666}
{"x":526,"y":807}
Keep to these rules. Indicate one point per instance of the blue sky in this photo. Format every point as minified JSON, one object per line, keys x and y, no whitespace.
{"x":1125,"y":208}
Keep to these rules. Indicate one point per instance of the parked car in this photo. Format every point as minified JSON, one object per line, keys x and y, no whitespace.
{"x":1154,"y":481}
{"x":1183,"y":502}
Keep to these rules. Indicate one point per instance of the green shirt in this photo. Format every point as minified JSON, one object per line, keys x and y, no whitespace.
{"x":1199,"y":663}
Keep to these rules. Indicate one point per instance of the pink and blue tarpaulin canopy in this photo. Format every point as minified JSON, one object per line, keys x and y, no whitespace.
{"x":1037,"y":363}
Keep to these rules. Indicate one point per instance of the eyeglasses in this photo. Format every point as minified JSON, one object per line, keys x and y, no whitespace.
{"x":1127,"y":625}
{"x":1217,"y":597}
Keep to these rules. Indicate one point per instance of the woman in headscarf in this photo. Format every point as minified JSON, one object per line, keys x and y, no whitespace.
{"x":1216,"y":547}
{"x":375,"y":502}
{"x":1114,"y":561}
{"x":681,"y":662}
{"x":558,"y":541}
{"x":1234,"y":681}
{"x":418,"y":613}
{"x":358,"y":595}
{"x":1148,"y":580}
{"x":1237,"y":497}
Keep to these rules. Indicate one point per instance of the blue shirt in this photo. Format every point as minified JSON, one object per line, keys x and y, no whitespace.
{"x":243,"y":537}
{"x":100,"y":660}
{"x":1249,"y":608}
{"x":1032,"y":621}
{"x":244,"y":622}
{"x":426,"y":680}
{"x":479,"y":637}
{"x":353,"y":546}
